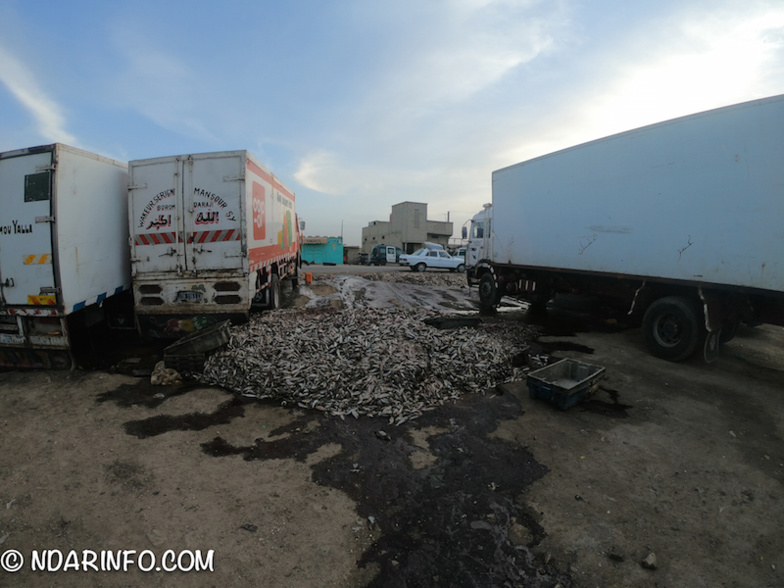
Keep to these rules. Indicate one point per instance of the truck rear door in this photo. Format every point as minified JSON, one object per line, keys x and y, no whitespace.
{"x":212,"y":191}
{"x":27,"y":271}
{"x":186,"y":213}
{"x":156,"y":216}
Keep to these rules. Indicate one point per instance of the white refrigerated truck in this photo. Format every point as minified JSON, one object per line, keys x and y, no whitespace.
{"x":681,"y":223}
{"x":210,"y":233}
{"x":63,"y":250}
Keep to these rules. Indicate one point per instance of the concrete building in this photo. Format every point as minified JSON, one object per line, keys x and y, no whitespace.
{"x":407,"y":228}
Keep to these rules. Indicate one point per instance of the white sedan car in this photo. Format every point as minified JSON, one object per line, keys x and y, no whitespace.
{"x":423,"y":259}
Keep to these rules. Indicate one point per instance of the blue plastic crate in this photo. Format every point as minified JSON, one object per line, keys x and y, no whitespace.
{"x":564,"y":383}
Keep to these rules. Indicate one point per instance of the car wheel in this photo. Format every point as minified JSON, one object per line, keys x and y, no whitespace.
{"x":461,"y":268}
{"x":420,"y":267}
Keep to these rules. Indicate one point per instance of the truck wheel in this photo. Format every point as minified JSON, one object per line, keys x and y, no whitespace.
{"x":273,"y":296}
{"x":672,"y":327}
{"x":729,"y":330}
{"x":489,"y":296}
{"x":420,"y":267}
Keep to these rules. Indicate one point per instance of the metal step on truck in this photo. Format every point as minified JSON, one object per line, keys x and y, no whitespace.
{"x":64,"y":259}
{"x":680,"y":224}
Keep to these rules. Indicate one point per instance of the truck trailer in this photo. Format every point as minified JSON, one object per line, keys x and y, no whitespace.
{"x":679,"y":223}
{"x":64,"y":258}
{"x":211,"y":235}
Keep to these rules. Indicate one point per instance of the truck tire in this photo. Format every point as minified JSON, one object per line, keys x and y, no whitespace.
{"x":489,"y":296}
{"x":672,"y":327}
{"x":420,"y":267}
{"x":274,"y":294}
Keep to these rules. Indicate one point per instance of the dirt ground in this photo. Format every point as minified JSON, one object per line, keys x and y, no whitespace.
{"x":669,"y":475}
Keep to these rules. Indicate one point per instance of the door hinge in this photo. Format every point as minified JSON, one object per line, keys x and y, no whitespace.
{"x":50,"y":290}
{"x":137,"y":187}
{"x":44,"y":219}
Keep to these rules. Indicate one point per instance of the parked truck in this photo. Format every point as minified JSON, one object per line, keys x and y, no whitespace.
{"x":64,"y":258}
{"x":211,"y":234}
{"x":678,"y":223}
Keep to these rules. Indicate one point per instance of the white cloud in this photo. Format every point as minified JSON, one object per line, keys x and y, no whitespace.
{"x":685,"y":62}
{"x":423,"y":99}
{"x":22,"y":83}
{"x":163,"y":87}
{"x":321,"y":172}
{"x":716,"y":60}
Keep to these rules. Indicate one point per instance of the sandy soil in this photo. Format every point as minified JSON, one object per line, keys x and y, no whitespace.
{"x":679,"y":466}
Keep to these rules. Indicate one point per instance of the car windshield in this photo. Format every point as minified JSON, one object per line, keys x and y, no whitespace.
{"x":422,"y":251}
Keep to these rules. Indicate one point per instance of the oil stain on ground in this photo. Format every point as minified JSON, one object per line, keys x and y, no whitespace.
{"x":454,"y":523}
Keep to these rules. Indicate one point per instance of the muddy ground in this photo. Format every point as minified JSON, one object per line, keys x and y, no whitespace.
{"x":669,"y":475}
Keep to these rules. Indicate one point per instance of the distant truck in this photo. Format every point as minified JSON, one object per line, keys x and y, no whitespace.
{"x":211,"y":234}
{"x":678,"y":223}
{"x":64,"y":259}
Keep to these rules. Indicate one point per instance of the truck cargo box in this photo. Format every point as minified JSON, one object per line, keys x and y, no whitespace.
{"x":63,"y":249}
{"x":678,"y":223}
{"x":695,"y":199}
{"x":211,"y":232}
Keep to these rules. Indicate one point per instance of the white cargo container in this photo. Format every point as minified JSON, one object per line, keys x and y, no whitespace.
{"x":210,"y":233}
{"x":680,"y":221}
{"x":63,"y":249}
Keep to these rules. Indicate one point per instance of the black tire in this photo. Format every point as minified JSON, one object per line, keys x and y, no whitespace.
{"x":672,"y":327}
{"x":489,"y":296}
{"x":274,"y":294}
{"x":461,"y":268}
{"x":420,"y":267}
{"x":729,"y":330}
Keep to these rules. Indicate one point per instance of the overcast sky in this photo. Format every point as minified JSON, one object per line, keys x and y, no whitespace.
{"x":357,"y":105}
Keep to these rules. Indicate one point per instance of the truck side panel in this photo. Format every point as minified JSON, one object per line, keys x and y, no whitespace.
{"x":693,"y":199}
{"x":272,"y":228}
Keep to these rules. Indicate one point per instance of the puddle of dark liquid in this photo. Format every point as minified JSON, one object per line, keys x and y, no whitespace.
{"x":142,"y":393}
{"x":611,"y":409}
{"x":449,"y":524}
{"x":195,"y":421}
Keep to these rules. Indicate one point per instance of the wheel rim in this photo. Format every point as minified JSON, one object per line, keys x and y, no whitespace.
{"x":668,"y":330}
{"x":487,"y":291}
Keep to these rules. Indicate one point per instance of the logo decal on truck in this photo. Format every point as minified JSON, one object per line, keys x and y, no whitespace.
{"x":16,"y":228}
{"x":161,"y":221}
{"x":207,"y":218}
{"x":259,"y":212}
{"x":155,"y":204}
